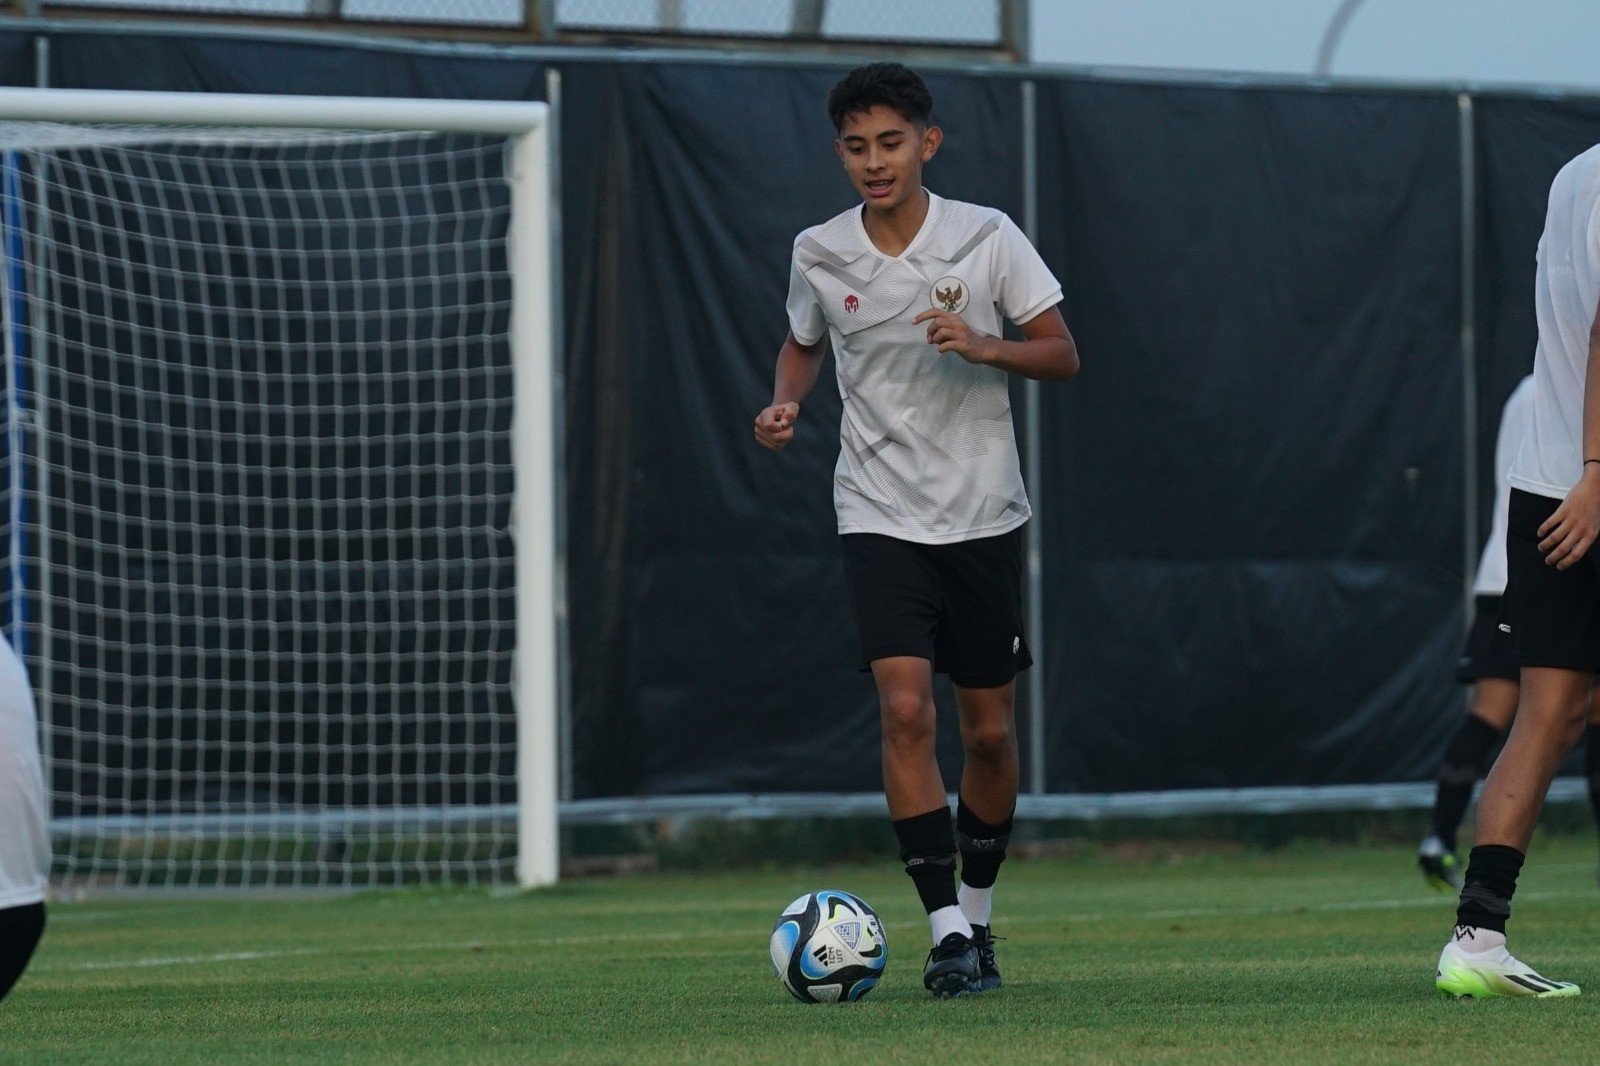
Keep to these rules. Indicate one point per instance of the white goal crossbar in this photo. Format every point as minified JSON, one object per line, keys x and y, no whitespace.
{"x":533,"y":446}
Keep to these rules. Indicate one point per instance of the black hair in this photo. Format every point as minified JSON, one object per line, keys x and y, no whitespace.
{"x":890,"y":84}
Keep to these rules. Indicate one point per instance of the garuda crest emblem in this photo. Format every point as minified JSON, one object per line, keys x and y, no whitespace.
{"x":950,"y":294}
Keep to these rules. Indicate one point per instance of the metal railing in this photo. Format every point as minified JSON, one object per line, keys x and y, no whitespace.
{"x":997,"y":28}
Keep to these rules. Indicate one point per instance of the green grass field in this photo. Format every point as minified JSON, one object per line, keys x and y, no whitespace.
{"x":1302,"y":954}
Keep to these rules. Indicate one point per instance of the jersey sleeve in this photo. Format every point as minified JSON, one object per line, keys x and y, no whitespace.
{"x":1593,"y":234}
{"x":806,"y":320}
{"x":1023,"y":285}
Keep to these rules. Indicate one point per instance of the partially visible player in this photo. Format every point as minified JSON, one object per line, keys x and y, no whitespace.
{"x":24,"y":831}
{"x":1552,"y":590}
{"x":912,"y":291}
{"x":1489,"y":665}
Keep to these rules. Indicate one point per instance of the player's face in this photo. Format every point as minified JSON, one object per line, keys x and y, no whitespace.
{"x":883,"y":153}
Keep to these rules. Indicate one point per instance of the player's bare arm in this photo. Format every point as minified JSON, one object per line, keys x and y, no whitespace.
{"x":798,"y":365}
{"x":1570,"y":532}
{"x":1047,"y":351}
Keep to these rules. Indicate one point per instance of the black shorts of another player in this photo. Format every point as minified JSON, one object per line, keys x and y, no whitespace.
{"x":957,"y":605}
{"x":1489,"y":651}
{"x":1554,"y":614}
{"x":20,"y":929}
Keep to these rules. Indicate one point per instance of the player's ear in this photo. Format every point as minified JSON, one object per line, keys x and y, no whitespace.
{"x":932,"y":138}
{"x":838,"y":149}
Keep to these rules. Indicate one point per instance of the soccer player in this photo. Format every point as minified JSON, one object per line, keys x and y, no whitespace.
{"x":24,"y":837}
{"x":910,"y":289}
{"x":1489,"y":665}
{"x":1552,"y":591}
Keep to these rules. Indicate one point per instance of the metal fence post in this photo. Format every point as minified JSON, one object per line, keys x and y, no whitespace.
{"x":1471,"y":541}
{"x":1015,"y":28}
{"x":1033,"y":459}
{"x":806,"y":19}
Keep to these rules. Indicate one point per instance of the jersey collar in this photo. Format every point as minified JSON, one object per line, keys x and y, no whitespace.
{"x":929,"y":226}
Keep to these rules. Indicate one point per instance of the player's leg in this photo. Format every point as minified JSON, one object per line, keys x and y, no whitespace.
{"x":921,"y":815}
{"x":981,"y":645}
{"x":911,"y":780}
{"x":20,"y":929}
{"x":897,"y":602}
{"x":1554,"y":707}
{"x":987,"y":799}
{"x":1493,"y":705}
{"x":1554,"y":616}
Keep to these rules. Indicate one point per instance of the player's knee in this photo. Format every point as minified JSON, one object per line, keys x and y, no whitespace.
{"x":908,"y":718}
{"x":989,"y":741}
{"x":1559,"y":719}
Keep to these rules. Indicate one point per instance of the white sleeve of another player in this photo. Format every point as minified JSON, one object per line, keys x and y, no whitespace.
{"x":806,"y":320}
{"x":1023,"y":285}
{"x":24,"y":815}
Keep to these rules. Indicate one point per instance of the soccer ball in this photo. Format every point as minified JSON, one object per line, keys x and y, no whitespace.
{"x":829,"y":947}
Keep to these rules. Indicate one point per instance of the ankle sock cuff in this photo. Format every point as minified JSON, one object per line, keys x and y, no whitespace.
{"x":976,"y":835}
{"x":1490,"y":882}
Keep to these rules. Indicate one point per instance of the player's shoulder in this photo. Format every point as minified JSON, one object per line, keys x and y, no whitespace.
{"x":838,"y":240}
{"x":1578,"y":178}
{"x":1585,"y":162}
{"x":960,"y":227}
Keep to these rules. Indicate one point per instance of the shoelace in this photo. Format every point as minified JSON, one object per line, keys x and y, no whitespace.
{"x":948,"y":951}
{"x":986,"y":949}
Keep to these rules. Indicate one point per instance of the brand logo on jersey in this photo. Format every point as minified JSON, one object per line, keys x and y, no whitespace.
{"x":950,"y":294}
{"x":852,"y":303}
{"x":1016,"y":645}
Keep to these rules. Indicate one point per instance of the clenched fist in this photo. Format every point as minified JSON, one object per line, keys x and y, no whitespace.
{"x":775,"y":425}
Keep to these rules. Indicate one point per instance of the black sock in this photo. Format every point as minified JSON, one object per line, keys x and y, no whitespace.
{"x":1490,"y":881}
{"x":1591,"y":768}
{"x":928,"y":849}
{"x":983,"y":846}
{"x":1458,"y":772}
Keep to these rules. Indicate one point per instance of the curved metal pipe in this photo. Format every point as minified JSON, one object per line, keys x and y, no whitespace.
{"x":1333,"y":35}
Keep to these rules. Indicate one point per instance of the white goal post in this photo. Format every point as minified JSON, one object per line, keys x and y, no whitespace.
{"x":370,"y":401}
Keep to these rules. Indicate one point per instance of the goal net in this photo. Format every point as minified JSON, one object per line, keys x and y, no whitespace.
{"x":278,"y":465}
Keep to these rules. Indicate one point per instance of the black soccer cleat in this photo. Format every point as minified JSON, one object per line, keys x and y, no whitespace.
{"x":952,"y":967}
{"x":1440,"y":867}
{"x":988,"y":970}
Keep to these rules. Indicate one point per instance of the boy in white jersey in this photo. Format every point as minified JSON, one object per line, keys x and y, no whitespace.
{"x":24,"y":839}
{"x":911,"y":290}
{"x":1552,"y":591}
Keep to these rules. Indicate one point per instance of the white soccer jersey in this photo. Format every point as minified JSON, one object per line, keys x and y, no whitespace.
{"x":24,"y":827}
{"x":1566,"y":288}
{"x":926,"y":448}
{"x":1514,"y":422}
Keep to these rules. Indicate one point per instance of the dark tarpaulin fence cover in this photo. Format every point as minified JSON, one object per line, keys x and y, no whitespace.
{"x":1252,"y":548}
{"x":1251,"y":501}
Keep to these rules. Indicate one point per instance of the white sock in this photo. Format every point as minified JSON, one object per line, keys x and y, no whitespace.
{"x":975,"y":903}
{"x":947,"y":920}
{"x":1472,"y":940}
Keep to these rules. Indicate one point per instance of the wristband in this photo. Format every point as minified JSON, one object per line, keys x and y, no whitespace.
{"x":1586,"y":462}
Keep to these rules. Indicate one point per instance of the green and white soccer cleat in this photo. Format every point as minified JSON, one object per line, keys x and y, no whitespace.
{"x":1496,"y":972}
{"x":1440,"y":867}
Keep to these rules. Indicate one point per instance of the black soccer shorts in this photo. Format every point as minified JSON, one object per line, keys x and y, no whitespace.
{"x":1554,"y":615}
{"x":20,"y":929}
{"x":957,"y":605}
{"x":1489,"y":651}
